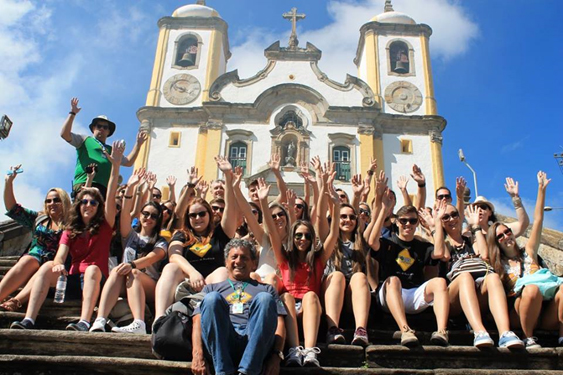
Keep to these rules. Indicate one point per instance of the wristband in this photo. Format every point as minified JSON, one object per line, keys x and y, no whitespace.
{"x":133,"y":265}
{"x":475,"y":229}
{"x":127,"y":196}
{"x":190,"y":185}
{"x":72,"y":113}
{"x":370,"y":172}
{"x":422,"y":185}
{"x":433,"y":233}
{"x":517,"y":202}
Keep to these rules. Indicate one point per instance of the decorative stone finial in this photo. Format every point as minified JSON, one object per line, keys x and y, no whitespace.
{"x":388,"y":6}
{"x":200,"y":2}
{"x":294,"y":17}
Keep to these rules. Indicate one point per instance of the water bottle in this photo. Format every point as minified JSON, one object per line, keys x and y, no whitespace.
{"x":60,"y":290}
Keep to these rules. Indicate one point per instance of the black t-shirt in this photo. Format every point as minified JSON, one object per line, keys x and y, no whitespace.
{"x":205,"y":258}
{"x":406,"y":260}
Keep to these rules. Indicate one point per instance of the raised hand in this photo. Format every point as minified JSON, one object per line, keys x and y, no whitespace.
{"x":373,"y":165}
{"x":202,"y":187}
{"x":142,"y":136}
{"x":417,"y":175}
{"x":136,"y":177}
{"x":92,"y":169}
{"x":511,"y":186}
{"x":274,"y":162}
{"x":367,"y":185}
{"x":237,"y":174}
{"x":472,"y":215}
{"x":388,"y":198}
{"x":223,"y":164}
{"x":192,"y":176}
{"x":543,"y":181}
{"x":263,"y":189}
{"x":440,"y":210}
{"x":381,"y":184}
{"x":74,"y":105}
{"x":171,"y":181}
{"x":402,"y":182}
{"x":460,"y":185}
{"x":316,"y":163}
{"x":357,"y":184}
{"x":117,"y":149}
{"x":151,"y":178}
{"x":14,"y":172}
{"x":291,"y":196}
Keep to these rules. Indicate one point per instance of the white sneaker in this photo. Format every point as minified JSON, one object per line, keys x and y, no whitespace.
{"x":310,"y":357}
{"x":99,"y":325}
{"x":137,"y":327}
{"x":294,"y":357}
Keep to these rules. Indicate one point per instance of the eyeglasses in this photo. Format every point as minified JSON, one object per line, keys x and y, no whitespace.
{"x":452,"y":216}
{"x":92,"y":202}
{"x":101,"y":126}
{"x":299,"y":206}
{"x":157,"y":196}
{"x":147,"y":214}
{"x":507,"y":232}
{"x":218,"y":208}
{"x":365,"y":212}
{"x":193,"y":215}
{"x":54,"y":200}
{"x":482,"y":206}
{"x":349,"y":217}
{"x":405,"y":221}
{"x":278,"y":215}
{"x":443,"y":196}
{"x":300,"y":236}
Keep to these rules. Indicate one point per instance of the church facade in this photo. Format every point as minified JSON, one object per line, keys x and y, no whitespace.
{"x":196,"y":109}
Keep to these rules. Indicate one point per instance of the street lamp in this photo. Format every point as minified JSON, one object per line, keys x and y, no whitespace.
{"x":462,"y":159}
{"x":547,"y":208}
{"x":5,"y":126}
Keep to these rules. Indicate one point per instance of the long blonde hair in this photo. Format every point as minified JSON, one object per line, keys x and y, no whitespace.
{"x":65,"y":200}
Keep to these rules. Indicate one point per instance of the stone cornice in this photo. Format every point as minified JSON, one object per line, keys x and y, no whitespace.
{"x":275,"y":52}
{"x":397,"y":29}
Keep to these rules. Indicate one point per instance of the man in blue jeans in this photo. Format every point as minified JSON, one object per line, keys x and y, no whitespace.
{"x":240,"y":322}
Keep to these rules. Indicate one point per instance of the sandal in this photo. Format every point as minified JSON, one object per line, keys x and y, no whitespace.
{"x":11,"y":305}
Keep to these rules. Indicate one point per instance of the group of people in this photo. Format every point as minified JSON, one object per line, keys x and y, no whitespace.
{"x":261,"y":268}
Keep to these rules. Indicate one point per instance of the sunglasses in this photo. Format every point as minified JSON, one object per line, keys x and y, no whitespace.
{"x":217,"y":208}
{"x":147,"y":214}
{"x":278,"y":215}
{"x":299,"y":206}
{"x":157,"y":196}
{"x":443,"y":196}
{"x":54,"y":200}
{"x":300,"y":236}
{"x":365,"y":212}
{"x":193,"y":215}
{"x":343,"y":196}
{"x":164,"y":208}
{"x":405,"y":221}
{"x":507,"y":232}
{"x":104,"y":127}
{"x":452,"y":216}
{"x":349,"y":217}
{"x":254,"y":212}
{"x":484,"y":207}
{"x":92,"y":202}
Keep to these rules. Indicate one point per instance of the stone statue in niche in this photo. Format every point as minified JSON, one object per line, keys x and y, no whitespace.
{"x":290,"y":154}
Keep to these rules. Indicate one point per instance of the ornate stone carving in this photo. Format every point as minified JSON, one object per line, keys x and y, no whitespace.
{"x":403,"y":97}
{"x":436,"y":136}
{"x":181,"y":89}
{"x":294,"y":17}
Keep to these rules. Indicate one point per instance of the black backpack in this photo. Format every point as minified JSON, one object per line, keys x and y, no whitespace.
{"x":172,"y":334}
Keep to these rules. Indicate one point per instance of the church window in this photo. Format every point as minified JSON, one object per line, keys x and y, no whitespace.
{"x":187,"y":51}
{"x":238,"y":154}
{"x":174,"y":140}
{"x":341,"y":158}
{"x":406,"y":146}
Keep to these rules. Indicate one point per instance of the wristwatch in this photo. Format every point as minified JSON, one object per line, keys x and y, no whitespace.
{"x":279,"y":353}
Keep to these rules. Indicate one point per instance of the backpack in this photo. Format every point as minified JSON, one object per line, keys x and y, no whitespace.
{"x":171,"y":337}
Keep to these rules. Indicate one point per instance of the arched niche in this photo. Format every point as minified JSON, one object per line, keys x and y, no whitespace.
{"x":290,"y":137}
{"x":400,"y":58}
{"x":187,"y":51}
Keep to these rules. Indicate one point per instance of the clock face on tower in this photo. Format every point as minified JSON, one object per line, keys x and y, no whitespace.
{"x":403,"y":97}
{"x":181,"y":89}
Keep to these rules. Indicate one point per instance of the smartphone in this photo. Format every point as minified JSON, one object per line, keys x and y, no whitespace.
{"x":18,"y":171}
{"x":90,"y":169}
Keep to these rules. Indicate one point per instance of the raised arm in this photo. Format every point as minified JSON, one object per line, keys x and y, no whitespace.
{"x":115,"y":159}
{"x":185,"y":195}
{"x":245,"y":208}
{"x":520,"y":226}
{"x":228,"y":222}
{"x":375,"y":234}
{"x":271,"y":230}
{"x":90,"y":174}
{"x":334,"y":208}
{"x":130,"y":159}
{"x":325,"y":178}
{"x":9,"y":197}
{"x":306,"y":184}
{"x":460,"y":185}
{"x":420,"y":180}
{"x":291,"y":196}
{"x":437,"y":230}
{"x":367,"y":181}
{"x":274,"y":165}
{"x":127,"y":205}
{"x":402,"y":183}
{"x":533,"y":243}
{"x":66,"y":131}
{"x":171,"y":181}
{"x":479,"y":240}
{"x":357,"y":189}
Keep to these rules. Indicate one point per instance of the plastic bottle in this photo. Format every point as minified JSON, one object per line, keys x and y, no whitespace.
{"x":60,"y":290}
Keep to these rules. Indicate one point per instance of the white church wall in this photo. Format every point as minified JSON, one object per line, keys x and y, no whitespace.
{"x":398,"y":164}
{"x":417,"y":80}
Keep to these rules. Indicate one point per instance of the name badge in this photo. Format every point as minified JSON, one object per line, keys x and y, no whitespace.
{"x":238,"y":308}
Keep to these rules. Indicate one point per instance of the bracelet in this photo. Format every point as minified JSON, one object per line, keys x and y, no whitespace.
{"x":370,"y":172}
{"x":72,"y":113}
{"x":517,"y":202}
{"x":133,"y":265}
{"x":190,"y":185}
{"x":127,"y":196}
{"x":433,"y":233}
{"x":422,"y":185}
{"x":475,"y":229}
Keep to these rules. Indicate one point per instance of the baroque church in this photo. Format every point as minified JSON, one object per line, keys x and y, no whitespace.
{"x":197,"y":109}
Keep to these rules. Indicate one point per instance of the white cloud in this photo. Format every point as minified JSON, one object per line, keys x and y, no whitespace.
{"x":514,"y":146}
{"x":453,"y":32}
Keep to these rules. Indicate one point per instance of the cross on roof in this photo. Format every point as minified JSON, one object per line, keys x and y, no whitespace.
{"x":294,"y":17}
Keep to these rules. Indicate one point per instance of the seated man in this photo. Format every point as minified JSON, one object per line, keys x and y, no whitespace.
{"x":402,"y":289}
{"x":240,"y":322}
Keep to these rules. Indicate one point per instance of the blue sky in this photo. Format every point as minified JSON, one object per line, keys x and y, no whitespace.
{"x":495,"y":65}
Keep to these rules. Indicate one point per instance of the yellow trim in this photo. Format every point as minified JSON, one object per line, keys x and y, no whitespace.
{"x":370,"y":147}
{"x":431,"y":107}
{"x":201,"y":151}
{"x":437,"y":164}
{"x":153,"y":96}
{"x":165,"y":189}
{"x":143,"y":157}
{"x":208,"y":146}
{"x":372,"y":63}
{"x":213,"y":62}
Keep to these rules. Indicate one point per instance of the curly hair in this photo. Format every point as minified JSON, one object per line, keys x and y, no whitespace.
{"x":292,"y":253}
{"x":76,"y":224}
{"x":358,"y":251}
{"x":187,"y":229}
{"x":65,"y":201}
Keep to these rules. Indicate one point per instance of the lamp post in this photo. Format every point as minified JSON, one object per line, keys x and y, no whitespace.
{"x":547,"y":208}
{"x":462,"y":159}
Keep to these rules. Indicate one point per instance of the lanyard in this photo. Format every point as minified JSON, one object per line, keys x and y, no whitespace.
{"x":101,"y":144}
{"x":238,"y":291}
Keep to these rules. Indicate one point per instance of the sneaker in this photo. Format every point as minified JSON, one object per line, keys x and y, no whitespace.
{"x":408,"y":338}
{"x":482,"y":339}
{"x":440,"y":338}
{"x":310,"y":357}
{"x":294,"y":357}
{"x":560,"y":341}
{"x":335,"y":336}
{"x":99,"y":325}
{"x":137,"y":327}
{"x":510,"y":340}
{"x":531,"y":343}
{"x":24,"y":324}
{"x":360,"y":337}
{"x":80,"y":327}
